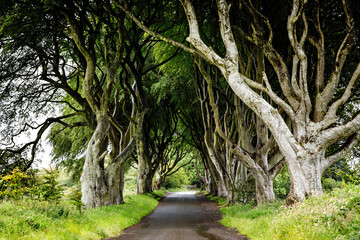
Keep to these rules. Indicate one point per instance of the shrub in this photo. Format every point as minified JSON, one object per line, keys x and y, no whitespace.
{"x":75,"y":198}
{"x":35,"y":184}
{"x":14,"y":185}
{"x":350,"y":175}
{"x":329,"y":184}
{"x":50,"y":190}
{"x":354,"y":204}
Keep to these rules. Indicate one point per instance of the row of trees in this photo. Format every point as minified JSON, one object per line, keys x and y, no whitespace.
{"x":104,"y":73}
{"x":316,"y":84}
{"x":264,"y":89}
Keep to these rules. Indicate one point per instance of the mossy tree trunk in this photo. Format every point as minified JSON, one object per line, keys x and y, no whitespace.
{"x":102,"y":184}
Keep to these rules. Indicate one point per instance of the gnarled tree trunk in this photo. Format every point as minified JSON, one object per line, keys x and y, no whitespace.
{"x":325,"y":127}
{"x":145,"y":174}
{"x":93,"y":181}
{"x":144,"y":178}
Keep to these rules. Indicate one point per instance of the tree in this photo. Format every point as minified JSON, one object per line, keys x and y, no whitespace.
{"x":70,"y":64}
{"x":90,"y":54}
{"x":315,"y":124}
{"x":237,"y":126}
{"x":30,"y":52}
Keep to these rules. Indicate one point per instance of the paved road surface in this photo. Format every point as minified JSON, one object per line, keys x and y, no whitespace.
{"x":179,"y":217}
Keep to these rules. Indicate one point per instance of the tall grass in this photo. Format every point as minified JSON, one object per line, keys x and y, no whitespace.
{"x":335,"y":215}
{"x":36,"y":220}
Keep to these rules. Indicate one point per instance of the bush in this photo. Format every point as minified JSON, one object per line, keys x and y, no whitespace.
{"x":75,"y":198}
{"x":350,"y":176}
{"x":329,"y":184}
{"x":18,"y":184}
{"x":50,"y":190}
{"x":354,"y":204}
{"x":14,"y":185}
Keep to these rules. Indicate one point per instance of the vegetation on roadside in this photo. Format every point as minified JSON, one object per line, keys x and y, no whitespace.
{"x":333,"y":215}
{"x":42,"y":220}
{"x":39,"y":206}
{"x":35,"y":207}
{"x":38,"y":186}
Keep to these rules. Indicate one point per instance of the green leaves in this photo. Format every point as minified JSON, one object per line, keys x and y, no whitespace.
{"x":50,"y":190}
{"x":14,"y":185}
{"x":75,"y":197}
{"x":44,"y":188}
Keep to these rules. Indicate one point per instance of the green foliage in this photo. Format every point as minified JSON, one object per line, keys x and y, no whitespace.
{"x":329,"y":184}
{"x":191,"y":171}
{"x":14,"y":185}
{"x":335,"y":169}
{"x":177,"y":179}
{"x":75,"y":197}
{"x":24,"y":27}
{"x":37,"y":187}
{"x":50,"y":190}
{"x":41,"y":220}
{"x":354,"y":204}
{"x":246,"y":191}
{"x":68,"y":144}
{"x":9,"y":161}
{"x":350,"y":175}
{"x":177,"y":189}
{"x":157,"y":194}
{"x":282,"y":184}
{"x":334,"y":215}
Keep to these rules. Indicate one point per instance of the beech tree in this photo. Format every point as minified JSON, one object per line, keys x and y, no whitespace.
{"x":315,"y":123}
{"x":25,"y":58}
{"x":223,"y":111}
{"x":97,"y":60}
{"x":236,"y":125}
{"x":159,"y":131}
{"x":72,"y":62}
{"x":297,"y":71}
{"x":120,"y":66}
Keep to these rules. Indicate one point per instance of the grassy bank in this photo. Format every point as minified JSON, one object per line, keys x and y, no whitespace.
{"x":335,"y":215}
{"x":35,"y":220}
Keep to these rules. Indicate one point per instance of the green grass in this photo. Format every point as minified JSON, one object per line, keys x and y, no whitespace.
{"x":157,"y":194}
{"x":34,"y":220}
{"x":220,"y":200}
{"x":335,"y":215}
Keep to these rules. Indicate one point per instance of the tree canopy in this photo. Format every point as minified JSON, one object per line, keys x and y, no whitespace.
{"x":248,"y":86}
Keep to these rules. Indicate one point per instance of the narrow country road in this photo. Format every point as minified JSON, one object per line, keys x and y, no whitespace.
{"x":180,"y":216}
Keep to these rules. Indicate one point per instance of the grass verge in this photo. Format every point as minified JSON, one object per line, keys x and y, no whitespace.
{"x":334,"y":215}
{"x":34,"y":220}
